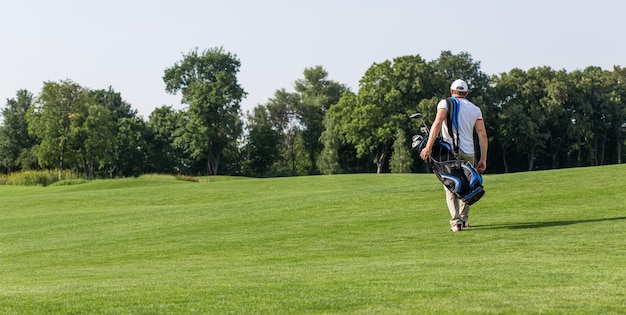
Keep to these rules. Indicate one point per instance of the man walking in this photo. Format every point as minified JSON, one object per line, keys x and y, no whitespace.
{"x":470,"y":118}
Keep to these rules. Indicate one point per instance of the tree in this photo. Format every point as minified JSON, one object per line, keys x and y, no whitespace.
{"x":167,"y":155}
{"x":282,"y":118}
{"x":523,"y":119}
{"x":328,"y":162}
{"x":113,"y":101}
{"x":449,"y":67}
{"x":262,"y":146}
{"x":296,"y":156}
{"x":53,"y":120}
{"x":601,"y":122}
{"x":94,"y":138}
{"x":369,"y":122}
{"x":74,"y":130}
{"x":388,"y":92}
{"x":132,"y":146}
{"x":316,"y":94}
{"x":554,"y":102}
{"x":106,"y":145}
{"x":15,"y":142}
{"x":593,"y":113}
{"x":401,"y":157}
{"x":281,"y":110}
{"x":209,"y":86}
{"x":619,"y":99}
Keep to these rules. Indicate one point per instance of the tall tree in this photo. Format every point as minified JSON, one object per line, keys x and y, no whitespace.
{"x":208,"y":83}
{"x":15,"y":142}
{"x":262,"y":146}
{"x":594,"y":112}
{"x":328,"y":162}
{"x":54,"y":120}
{"x":554,"y":102}
{"x":132,"y":146}
{"x":282,"y":117}
{"x":581,"y":111}
{"x":281,"y":109}
{"x":400,"y":161}
{"x":449,"y":67}
{"x":523,"y":119}
{"x":118,"y":110}
{"x":388,"y":92}
{"x":619,"y":100}
{"x":316,"y":94}
{"x":94,"y":137}
{"x":113,"y":101}
{"x":167,"y":154}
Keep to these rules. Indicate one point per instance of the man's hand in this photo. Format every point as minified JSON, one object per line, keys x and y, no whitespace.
{"x":425,"y":154}
{"x":481,"y":166}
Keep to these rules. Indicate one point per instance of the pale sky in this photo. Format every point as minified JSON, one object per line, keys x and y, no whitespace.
{"x":127,"y":44}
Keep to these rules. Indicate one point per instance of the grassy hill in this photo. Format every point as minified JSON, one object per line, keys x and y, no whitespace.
{"x":549,"y":242}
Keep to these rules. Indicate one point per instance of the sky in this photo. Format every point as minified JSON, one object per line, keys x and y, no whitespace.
{"x":127,"y":44}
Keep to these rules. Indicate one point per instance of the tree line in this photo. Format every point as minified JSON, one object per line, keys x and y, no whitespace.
{"x":538,"y":118}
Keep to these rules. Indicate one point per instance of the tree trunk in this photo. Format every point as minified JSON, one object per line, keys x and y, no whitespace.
{"x":90,"y":170}
{"x":619,"y":148}
{"x":506,"y":166}
{"x":595,"y":152}
{"x":293,"y":158}
{"x":380,"y":160}
{"x":85,"y":168}
{"x":619,"y":144}
{"x":579,"y":157}
{"x":61,"y":158}
{"x":213,"y":162}
{"x":531,"y":158}
{"x":555,"y":153}
{"x":379,"y":163}
{"x":603,"y":146}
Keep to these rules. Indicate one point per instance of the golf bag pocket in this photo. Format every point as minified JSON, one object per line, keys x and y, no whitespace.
{"x":441,"y":151}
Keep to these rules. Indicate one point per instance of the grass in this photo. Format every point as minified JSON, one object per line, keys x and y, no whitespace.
{"x":549,"y":242}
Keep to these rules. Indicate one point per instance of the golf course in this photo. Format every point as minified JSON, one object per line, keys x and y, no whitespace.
{"x":542,"y":242}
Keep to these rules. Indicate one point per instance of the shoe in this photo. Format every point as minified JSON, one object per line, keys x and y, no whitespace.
{"x":457,"y":228}
{"x":465,"y":224}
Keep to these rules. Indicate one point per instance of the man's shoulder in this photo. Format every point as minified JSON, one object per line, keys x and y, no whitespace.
{"x":473,"y":109}
{"x":443,"y":104}
{"x":468,"y":103}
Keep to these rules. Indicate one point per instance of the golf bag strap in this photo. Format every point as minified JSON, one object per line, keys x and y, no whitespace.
{"x":452,"y":122}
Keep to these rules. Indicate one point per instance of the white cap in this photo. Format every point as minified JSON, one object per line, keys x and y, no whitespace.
{"x":459,"y":86}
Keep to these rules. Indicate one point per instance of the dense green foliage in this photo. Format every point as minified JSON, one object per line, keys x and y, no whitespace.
{"x":347,"y":244}
{"x":208,"y":83}
{"x":536,"y":119}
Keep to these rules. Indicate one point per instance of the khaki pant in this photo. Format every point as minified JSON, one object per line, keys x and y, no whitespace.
{"x":459,"y":210}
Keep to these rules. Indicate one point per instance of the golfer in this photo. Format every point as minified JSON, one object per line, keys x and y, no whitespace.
{"x":470,"y":119}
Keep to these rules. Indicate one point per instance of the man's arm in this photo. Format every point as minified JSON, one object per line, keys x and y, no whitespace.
{"x":483,"y":142}
{"x":434,"y":132}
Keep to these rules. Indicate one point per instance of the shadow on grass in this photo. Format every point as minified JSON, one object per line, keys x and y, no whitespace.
{"x":538,"y":225}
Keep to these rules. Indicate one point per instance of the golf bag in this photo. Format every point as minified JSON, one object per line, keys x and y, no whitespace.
{"x":458,"y":176}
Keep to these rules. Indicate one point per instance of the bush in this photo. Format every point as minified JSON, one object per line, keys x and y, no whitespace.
{"x":37,"y":178}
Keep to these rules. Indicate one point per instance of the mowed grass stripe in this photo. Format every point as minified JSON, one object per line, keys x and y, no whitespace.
{"x":540,"y":242}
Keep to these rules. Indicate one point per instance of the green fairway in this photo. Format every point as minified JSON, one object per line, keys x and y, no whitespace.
{"x":549,"y":242}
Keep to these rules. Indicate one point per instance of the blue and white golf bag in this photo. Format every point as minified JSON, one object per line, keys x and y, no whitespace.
{"x":458,"y":176}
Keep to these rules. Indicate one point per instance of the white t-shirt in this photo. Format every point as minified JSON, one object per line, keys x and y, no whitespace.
{"x":468,"y":115}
